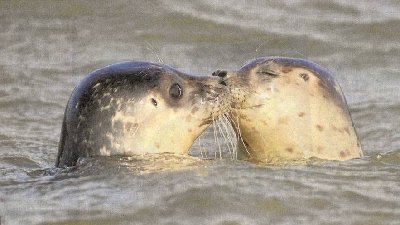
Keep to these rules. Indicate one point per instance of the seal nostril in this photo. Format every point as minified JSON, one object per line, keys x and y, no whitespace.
{"x":220,"y":73}
{"x":304,"y":76}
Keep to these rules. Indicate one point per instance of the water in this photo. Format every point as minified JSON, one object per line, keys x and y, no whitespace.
{"x":46,"y":47}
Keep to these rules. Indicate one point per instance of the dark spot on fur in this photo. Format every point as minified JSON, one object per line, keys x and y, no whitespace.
{"x":304,"y":76}
{"x":289,"y":149}
{"x":245,"y":118}
{"x":130,"y":126}
{"x":320,"y":83}
{"x":319,"y":149}
{"x":283,"y":120}
{"x":286,"y":69}
{"x":195,"y":109}
{"x":301,"y":114}
{"x":189,"y":130}
{"x":347,"y":130}
{"x":320,"y":128}
{"x":342,"y":154}
{"x":157,"y":145}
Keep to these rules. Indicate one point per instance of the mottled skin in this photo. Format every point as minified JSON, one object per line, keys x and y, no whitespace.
{"x":137,"y":107}
{"x":288,"y":109}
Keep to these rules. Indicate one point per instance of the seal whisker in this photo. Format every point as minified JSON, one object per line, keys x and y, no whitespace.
{"x":151,"y":48}
{"x":232,"y":138}
{"x":236,"y":125}
{"x":222,"y":131}
{"x":233,"y":134}
{"x":216,"y":138}
{"x":201,"y":147}
{"x":203,"y":151}
{"x":227,"y":136}
{"x":249,"y":107}
{"x":217,"y":126}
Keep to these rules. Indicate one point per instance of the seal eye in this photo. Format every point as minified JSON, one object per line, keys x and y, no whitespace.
{"x":175,"y":91}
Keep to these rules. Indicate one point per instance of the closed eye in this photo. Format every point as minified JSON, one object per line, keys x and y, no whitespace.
{"x":268,"y":72}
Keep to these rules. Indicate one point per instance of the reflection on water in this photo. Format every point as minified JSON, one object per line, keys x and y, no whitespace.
{"x":46,"y":47}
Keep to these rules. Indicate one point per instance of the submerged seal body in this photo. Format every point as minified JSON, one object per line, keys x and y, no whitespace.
{"x":287,"y":109}
{"x":137,"y":107}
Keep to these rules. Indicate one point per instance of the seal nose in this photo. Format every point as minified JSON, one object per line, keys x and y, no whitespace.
{"x":221,"y":74}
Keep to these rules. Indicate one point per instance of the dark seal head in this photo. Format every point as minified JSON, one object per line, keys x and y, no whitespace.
{"x":288,"y":109}
{"x":137,"y":107}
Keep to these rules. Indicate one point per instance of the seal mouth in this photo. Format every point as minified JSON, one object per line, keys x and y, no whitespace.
{"x":214,"y":97}
{"x":222,"y":82}
{"x":235,"y":106}
{"x":205,"y":122}
{"x":222,"y":74}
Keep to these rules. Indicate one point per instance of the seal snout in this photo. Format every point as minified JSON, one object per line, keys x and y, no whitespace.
{"x":222,"y":74}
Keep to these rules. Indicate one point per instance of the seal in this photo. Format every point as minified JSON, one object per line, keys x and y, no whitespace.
{"x":289,"y":109}
{"x":137,"y":107}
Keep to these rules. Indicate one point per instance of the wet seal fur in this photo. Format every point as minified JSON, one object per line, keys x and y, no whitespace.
{"x":289,"y":109}
{"x":137,"y":107}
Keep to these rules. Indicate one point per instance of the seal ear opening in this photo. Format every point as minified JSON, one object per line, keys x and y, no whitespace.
{"x":304,"y":76}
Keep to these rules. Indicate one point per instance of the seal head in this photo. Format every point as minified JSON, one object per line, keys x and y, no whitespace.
{"x":288,"y":109}
{"x":137,"y":107}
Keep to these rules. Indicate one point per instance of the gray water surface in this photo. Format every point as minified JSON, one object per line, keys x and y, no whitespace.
{"x":46,"y":47}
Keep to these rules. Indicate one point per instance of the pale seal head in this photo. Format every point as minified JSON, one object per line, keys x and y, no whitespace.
{"x":287,"y":109}
{"x":137,"y":107}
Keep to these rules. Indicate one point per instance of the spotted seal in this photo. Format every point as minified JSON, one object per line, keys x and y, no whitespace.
{"x":137,"y":107}
{"x":288,"y":109}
